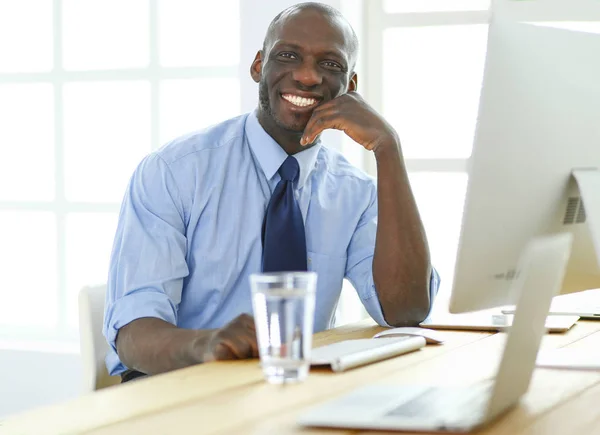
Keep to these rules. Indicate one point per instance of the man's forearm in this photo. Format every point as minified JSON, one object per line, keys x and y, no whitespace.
{"x":152,"y":346}
{"x":401,"y":264}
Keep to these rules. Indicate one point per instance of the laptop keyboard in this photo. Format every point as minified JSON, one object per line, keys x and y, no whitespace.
{"x":445,"y":402}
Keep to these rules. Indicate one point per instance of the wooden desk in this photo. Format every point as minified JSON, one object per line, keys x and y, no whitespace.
{"x":232,"y":397}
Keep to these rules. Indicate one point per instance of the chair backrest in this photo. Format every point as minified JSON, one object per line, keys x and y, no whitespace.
{"x":93,"y":344}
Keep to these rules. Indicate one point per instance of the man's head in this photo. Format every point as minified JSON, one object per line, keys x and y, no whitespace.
{"x":308,"y":57}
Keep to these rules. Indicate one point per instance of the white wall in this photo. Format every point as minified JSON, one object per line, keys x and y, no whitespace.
{"x":30,"y":378}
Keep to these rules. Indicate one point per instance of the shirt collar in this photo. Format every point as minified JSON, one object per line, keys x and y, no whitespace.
{"x":271,"y":156}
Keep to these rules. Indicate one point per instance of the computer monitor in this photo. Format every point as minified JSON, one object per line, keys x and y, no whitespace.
{"x":534,"y":168}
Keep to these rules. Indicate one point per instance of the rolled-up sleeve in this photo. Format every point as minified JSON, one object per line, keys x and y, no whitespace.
{"x":359,"y":267}
{"x":148,"y":260}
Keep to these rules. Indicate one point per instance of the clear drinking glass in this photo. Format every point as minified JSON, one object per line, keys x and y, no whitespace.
{"x":284,"y":309}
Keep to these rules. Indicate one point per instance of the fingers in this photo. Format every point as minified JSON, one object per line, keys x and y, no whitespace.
{"x":320,"y":121}
{"x":247,"y":325}
{"x":232,"y":347}
{"x":246,"y":320}
{"x":221,"y":351}
{"x":311,"y":131}
{"x":328,"y":115}
{"x":236,"y":340}
{"x":348,"y":113}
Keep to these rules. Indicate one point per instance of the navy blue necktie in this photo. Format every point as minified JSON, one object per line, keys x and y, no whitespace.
{"x":283,"y":238}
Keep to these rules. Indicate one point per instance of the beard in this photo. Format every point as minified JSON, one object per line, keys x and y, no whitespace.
{"x":264,"y":102}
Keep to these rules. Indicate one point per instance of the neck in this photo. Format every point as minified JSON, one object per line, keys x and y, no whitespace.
{"x":288,"y":140}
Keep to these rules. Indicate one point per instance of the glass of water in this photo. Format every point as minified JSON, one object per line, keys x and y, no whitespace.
{"x":284,"y":309}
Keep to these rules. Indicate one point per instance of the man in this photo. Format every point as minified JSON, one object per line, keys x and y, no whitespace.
{"x":204,"y":212}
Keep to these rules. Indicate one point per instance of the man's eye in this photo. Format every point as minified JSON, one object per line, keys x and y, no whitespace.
{"x":288,"y":55}
{"x":332,"y":65}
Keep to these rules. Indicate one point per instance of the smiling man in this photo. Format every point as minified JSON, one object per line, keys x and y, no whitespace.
{"x":260,"y":192}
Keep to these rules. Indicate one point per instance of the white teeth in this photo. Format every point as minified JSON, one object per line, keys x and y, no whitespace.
{"x":299,"y":101}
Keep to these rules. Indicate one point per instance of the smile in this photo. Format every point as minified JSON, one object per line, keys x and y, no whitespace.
{"x":299,"y":101}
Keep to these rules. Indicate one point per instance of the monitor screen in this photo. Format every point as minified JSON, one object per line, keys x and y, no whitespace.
{"x":539,"y":120}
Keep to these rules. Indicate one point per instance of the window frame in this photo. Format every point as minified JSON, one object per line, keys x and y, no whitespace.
{"x":376,"y":21}
{"x":60,"y":206}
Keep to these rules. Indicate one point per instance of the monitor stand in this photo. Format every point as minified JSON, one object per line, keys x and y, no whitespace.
{"x":539,"y":278}
{"x":588,"y":182}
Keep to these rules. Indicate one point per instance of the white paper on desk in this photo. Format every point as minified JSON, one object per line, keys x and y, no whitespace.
{"x":348,"y":354}
{"x":569,"y":359}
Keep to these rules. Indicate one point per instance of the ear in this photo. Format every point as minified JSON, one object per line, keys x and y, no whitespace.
{"x":353,"y":85}
{"x":256,"y":67}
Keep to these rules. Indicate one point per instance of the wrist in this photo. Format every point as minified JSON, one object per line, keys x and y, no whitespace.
{"x":388,"y":148}
{"x":198,"y":345}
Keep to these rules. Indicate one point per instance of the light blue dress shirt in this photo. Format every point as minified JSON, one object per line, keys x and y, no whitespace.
{"x":189,"y":233}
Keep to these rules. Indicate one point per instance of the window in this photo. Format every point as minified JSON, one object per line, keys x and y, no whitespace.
{"x":90,"y":89}
{"x":424,"y":69}
{"x":423,"y":63}
{"x":92,"y":86}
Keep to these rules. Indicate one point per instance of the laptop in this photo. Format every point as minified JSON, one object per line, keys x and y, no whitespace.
{"x":585,"y":304}
{"x":464,"y":408}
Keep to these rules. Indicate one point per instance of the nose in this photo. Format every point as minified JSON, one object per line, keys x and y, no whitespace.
{"x":307,"y":74}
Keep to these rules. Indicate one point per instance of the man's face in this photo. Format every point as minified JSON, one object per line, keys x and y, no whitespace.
{"x":305,"y":63}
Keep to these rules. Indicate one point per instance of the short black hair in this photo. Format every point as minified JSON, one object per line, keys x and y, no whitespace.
{"x":325,"y":10}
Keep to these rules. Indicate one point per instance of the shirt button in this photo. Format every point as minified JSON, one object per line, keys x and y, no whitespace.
{"x":309,"y":260}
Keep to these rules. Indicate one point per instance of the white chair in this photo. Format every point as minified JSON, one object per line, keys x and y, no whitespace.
{"x":92,"y":342}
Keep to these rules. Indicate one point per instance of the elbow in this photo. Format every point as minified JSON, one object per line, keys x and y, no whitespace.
{"x":121,"y":345}
{"x":408,"y":312}
{"x":412,"y":316}
{"x":408,"y":307}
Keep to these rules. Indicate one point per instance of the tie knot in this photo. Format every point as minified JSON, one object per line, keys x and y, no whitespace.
{"x":289,"y":169}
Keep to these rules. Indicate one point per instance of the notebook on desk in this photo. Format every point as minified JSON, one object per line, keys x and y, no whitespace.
{"x":568,"y":358}
{"x":491,"y":320}
{"x":348,"y":354}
